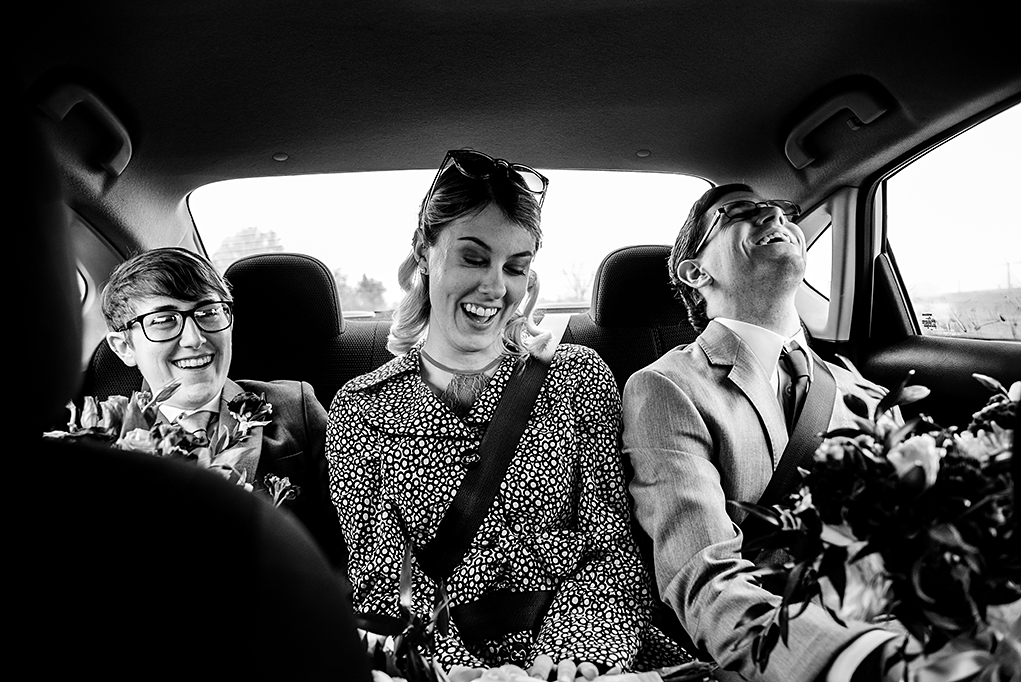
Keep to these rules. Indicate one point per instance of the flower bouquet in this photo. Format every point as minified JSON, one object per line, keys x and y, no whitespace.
{"x":410,"y":654}
{"x":132,"y":423}
{"x":911,"y":525}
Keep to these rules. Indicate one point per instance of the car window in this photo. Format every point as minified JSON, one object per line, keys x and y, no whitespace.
{"x":360,"y":224}
{"x":819,"y":269}
{"x":955,"y":235}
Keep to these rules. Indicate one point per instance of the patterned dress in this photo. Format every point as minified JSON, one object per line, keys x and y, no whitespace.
{"x":559,"y":522}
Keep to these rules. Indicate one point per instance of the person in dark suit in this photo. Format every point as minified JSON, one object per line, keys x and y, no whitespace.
{"x":124,"y":566}
{"x":706,"y":423}
{"x":170,"y":315}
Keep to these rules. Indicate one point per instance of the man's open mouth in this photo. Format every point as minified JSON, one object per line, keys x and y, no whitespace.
{"x":774,"y":237}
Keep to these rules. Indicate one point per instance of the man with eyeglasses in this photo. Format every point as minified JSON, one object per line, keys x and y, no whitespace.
{"x":711,"y":422}
{"x":171,"y":315}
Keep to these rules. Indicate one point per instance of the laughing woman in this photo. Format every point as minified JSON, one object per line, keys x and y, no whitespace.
{"x":548,"y":576}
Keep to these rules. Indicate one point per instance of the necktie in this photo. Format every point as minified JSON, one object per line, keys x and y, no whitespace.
{"x":795,"y":362}
{"x":197,"y":422}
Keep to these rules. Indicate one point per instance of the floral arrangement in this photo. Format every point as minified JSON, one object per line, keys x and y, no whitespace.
{"x":908,"y":524}
{"x":132,"y":423}
{"x":409,"y":655}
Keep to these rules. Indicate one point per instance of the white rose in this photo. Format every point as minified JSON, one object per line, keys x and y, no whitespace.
{"x":917,"y":452}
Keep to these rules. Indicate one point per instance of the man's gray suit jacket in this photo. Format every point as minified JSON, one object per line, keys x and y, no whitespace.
{"x":702,"y":425}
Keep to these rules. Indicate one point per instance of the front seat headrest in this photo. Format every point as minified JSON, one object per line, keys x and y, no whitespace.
{"x":47,"y":276}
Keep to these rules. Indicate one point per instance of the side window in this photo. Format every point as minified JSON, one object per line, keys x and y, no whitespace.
{"x":957,"y":244}
{"x":819,"y":271}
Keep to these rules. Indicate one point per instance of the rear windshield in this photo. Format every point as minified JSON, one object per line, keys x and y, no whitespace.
{"x":361,"y":224}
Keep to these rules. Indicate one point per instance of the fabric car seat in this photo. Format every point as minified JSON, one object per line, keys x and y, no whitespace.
{"x":129,"y":566}
{"x":634,"y":317}
{"x":288,"y":324}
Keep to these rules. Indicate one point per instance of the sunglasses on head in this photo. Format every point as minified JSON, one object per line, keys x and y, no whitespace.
{"x":479,"y":166}
{"x":745,"y":209}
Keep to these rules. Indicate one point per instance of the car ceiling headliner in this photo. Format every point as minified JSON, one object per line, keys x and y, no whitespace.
{"x":212,"y":89}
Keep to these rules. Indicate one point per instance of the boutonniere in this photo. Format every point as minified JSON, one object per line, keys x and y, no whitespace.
{"x":250,"y":411}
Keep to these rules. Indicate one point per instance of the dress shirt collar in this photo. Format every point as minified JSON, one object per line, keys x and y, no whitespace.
{"x":171,"y":413}
{"x":766,"y":345}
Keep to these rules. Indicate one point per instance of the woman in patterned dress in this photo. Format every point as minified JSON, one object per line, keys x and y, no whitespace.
{"x":400,"y":439}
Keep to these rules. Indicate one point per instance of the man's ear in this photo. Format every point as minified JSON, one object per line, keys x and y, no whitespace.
{"x":690,"y":272}
{"x":119,"y":344}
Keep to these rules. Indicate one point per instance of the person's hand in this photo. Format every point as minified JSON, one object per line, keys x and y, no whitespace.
{"x":566,"y":670}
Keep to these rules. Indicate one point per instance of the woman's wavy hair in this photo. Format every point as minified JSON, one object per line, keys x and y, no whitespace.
{"x":687,"y":241}
{"x":455,"y":196}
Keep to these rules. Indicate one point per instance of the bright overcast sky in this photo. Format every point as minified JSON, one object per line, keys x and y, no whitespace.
{"x":362,"y":223}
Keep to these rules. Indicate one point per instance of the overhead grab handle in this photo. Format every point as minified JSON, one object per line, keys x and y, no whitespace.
{"x":865,"y":108}
{"x":64,"y":98}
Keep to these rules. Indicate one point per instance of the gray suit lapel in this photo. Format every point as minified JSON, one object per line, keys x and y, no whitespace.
{"x":725,"y":348}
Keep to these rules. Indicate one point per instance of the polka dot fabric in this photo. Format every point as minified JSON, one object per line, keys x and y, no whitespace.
{"x":559,"y":521}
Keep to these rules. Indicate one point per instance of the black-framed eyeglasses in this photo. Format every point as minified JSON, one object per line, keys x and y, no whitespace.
{"x":479,"y":166}
{"x":167,"y":325}
{"x":745,"y":209}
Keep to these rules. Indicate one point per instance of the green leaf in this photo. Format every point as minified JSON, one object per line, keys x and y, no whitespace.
{"x":863,"y":551}
{"x":990,"y":383}
{"x":770,"y":516}
{"x":753,"y":613}
{"x":893,"y":397}
{"x":837,"y":535}
{"x":834,"y":569}
{"x":900,"y":433}
{"x":947,"y":535}
{"x":857,"y":405}
{"x":846,"y":432}
{"x":793,"y":583}
{"x":752,"y":635}
{"x":834,"y":616}
{"x":781,"y":539}
{"x":407,"y":580}
{"x":916,"y":582}
{"x":165,"y":393}
{"x":766,"y":646}
{"x":912,"y":394}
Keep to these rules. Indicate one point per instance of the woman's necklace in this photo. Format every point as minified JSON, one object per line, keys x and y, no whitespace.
{"x":464,"y":387}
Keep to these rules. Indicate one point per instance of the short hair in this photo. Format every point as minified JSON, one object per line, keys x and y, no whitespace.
{"x":455,"y":196}
{"x":691,"y":233}
{"x":170,"y":271}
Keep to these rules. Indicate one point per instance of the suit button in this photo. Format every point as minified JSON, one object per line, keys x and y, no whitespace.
{"x":469,"y":459}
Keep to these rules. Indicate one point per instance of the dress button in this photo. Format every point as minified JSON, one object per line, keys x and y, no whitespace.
{"x":469,"y":459}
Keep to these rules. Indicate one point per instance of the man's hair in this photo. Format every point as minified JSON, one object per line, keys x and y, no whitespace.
{"x":171,"y":271}
{"x":691,"y":233}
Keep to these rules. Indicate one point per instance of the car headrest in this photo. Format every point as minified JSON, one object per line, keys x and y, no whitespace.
{"x":632,"y":289}
{"x":284,"y":295}
{"x":47,"y":275}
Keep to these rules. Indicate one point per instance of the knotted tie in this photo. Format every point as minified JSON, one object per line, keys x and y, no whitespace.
{"x":197,"y":422}
{"x":795,"y":362}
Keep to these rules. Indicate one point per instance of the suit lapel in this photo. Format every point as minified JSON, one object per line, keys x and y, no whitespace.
{"x":724,"y":348}
{"x":252,"y":444}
